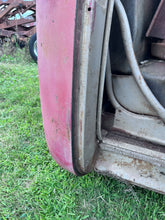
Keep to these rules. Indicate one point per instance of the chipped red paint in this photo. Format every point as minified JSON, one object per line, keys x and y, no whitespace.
{"x":55,"y":38}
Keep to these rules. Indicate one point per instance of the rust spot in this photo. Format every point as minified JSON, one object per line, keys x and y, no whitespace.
{"x":140,"y":78}
{"x":80,"y":121}
{"x":141,"y":165}
{"x":68,"y":133}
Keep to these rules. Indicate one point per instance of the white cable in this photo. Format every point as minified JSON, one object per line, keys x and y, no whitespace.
{"x":128,"y":45}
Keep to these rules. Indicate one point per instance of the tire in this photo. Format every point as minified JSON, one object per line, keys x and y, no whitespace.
{"x":33,"y":47}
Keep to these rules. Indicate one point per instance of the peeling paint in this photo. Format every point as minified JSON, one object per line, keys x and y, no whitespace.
{"x":55,"y":61}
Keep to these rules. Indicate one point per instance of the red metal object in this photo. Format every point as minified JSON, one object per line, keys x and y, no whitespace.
{"x":55,"y":54}
{"x":21,"y":27}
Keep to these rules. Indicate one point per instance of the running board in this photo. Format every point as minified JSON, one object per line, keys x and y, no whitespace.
{"x":135,"y":148}
{"x":132,"y":160}
{"x":131,"y":170}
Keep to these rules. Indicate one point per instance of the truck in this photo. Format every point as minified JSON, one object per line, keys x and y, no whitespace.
{"x":102,"y":87}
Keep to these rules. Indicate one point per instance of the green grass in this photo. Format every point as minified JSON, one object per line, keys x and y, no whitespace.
{"x":32,"y":185}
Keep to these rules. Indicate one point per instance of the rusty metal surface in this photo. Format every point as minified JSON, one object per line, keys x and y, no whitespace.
{"x":157,"y":27}
{"x":128,"y":145}
{"x":134,"y":171}
{"x":20,"y":27}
